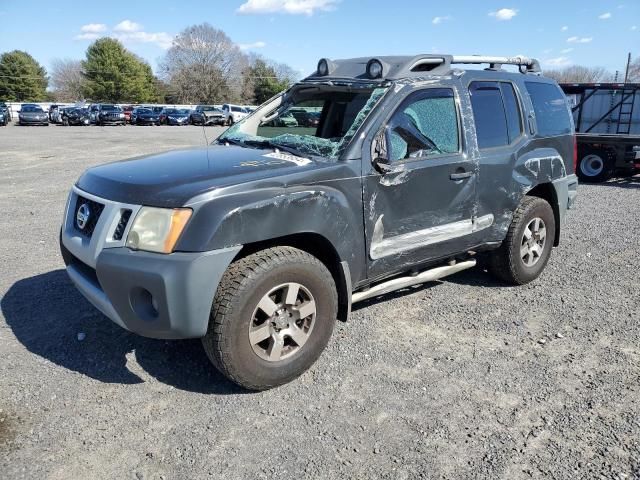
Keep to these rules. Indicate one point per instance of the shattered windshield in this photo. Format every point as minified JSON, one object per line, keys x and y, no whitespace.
{"x":315,"y":120}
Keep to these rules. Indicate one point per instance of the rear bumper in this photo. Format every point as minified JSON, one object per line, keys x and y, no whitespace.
{"x":153,"y":295}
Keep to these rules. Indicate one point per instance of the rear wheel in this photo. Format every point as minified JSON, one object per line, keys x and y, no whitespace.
{"x":527,"y":247}
{"x":272,"y":316}
{"x":595,"y":166}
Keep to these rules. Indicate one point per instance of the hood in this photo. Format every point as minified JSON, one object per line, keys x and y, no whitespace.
{"x":172,"y":178}
{"x":147,"y":115}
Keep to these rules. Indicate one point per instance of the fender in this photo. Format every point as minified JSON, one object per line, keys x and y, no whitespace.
{"x":260,"y":214}
{"x":536,"y":167}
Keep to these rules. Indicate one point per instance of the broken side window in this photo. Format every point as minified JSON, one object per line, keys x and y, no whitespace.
{"x":425,"y":124}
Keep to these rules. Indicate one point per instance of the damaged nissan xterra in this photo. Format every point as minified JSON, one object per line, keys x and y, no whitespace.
{"x":260,"y":241}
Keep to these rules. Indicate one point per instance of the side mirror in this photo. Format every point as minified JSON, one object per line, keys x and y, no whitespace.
{"x":379,"y":155}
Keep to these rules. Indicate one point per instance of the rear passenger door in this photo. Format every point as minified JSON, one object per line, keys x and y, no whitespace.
{"x":497,"y":112}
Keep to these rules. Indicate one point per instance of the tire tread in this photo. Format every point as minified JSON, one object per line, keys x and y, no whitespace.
{"x":241,"y":273}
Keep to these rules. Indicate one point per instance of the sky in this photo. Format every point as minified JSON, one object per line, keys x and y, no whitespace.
{"x":299,"y":32}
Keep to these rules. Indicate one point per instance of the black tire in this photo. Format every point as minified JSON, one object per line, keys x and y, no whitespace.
{"x":243,"y":285}
{"x":595,"y":165}
{"x":506,"y":262}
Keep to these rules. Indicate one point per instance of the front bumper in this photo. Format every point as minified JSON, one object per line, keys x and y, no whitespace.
{"x":174,"y":121}
{"x":215,"y":121}
{"x":33,"y":121}
{"x":151,"y":294}
{"x":112,"y":121}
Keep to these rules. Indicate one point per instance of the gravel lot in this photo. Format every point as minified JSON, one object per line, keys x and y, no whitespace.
{"x":463,"y":378}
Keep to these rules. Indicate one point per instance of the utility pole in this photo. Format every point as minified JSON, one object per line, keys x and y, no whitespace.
{"x":626,"y":75}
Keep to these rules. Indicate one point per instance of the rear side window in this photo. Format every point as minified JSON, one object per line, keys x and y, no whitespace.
{"x":489,"y":114}
{"x":550,"y":105}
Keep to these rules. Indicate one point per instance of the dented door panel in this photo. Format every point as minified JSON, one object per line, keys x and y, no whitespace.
{"x":417,"y":211}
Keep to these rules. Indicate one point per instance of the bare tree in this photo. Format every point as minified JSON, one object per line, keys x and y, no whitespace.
{"x":67,"y":80}
{"x":634,"y":70}
{"x":580,"y":74}
{"x":204,"y":66}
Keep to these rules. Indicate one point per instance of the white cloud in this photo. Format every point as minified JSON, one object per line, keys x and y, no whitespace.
{"x":87,"y":36}
{"x":126,"y":31}
{"x":557,"y":62}
{"x":605,"y":16}
{"x":293,"y":7}
{"x":439,"y":20}
{"x":252,"y":46}
{"x":504,"y":14}
{"x":161,"y":39}
{"x":93,"y":28}
{"x":634,"y":28}
{"x":127,"y":26}
{"x":579,"y":39}
{"x":564,"y":28}
{"x":566,"y":50}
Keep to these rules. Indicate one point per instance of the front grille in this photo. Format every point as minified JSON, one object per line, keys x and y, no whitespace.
{"x":122,"y":225}
{"x":95,"y":210}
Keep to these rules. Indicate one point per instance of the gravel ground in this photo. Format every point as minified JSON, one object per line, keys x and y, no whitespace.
{"x":463,"y":378}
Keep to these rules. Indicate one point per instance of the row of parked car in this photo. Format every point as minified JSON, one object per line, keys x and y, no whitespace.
{"x":111,"y":114}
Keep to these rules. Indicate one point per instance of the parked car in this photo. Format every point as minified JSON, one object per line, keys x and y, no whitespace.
{"x":4,"y":115}
{"x":127,"y":113}
{"x":109,"y":114}
{"x":207,"y":115}
{"x":233,"y":113}
{"x":175,"y":116}
{"x":306,"y":118}
{"x":257,"y":243}
{"x":7,"y":109}
{"x":93,"y":112}
{"x":144,"y":116}
{"x":283,"y":121}
{"x":32,"y":114}
{"x":76,"y":116}
{"x":53,"y":108}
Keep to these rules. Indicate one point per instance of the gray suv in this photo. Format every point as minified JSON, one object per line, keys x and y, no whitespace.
{"x":260,"y":241}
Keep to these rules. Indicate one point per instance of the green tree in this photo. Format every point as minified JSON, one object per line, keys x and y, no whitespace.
{"x":22,"y":79}
{"x":265,"y":80}
{"x":114,"y":74}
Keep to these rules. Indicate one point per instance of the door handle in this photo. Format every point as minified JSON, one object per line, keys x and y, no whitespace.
{"x":460,"y":175}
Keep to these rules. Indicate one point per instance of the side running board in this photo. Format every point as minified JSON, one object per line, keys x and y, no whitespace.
{"x":403,"y":282}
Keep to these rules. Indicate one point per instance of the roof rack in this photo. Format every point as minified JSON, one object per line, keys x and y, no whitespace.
{"x":532,"y":65}
{"x":398,"y":67}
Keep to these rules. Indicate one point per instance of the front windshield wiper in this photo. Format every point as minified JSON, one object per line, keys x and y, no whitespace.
{"x":231,"y":141}
{"x":262,"y":144}
{"x":277,"y":146}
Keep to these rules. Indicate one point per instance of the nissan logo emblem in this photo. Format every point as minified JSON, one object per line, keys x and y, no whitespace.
{"x":82,"y":216}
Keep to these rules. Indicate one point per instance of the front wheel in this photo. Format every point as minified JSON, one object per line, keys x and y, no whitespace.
{"x":527,"y":247}
{"x":272,"y":316}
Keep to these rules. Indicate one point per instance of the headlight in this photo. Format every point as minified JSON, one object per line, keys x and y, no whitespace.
{"x":157,"y":229}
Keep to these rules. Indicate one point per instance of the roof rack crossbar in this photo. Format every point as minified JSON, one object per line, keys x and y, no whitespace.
{"x":531,"y":63}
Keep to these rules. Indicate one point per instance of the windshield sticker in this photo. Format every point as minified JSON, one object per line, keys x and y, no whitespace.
{"x":300,"y":161}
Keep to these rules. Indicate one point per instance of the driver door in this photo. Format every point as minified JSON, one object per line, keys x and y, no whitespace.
{"x":419,"y":199}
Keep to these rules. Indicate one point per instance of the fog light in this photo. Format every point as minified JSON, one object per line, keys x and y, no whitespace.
{"x":323,"y":67}
{"x":374,"y":68}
